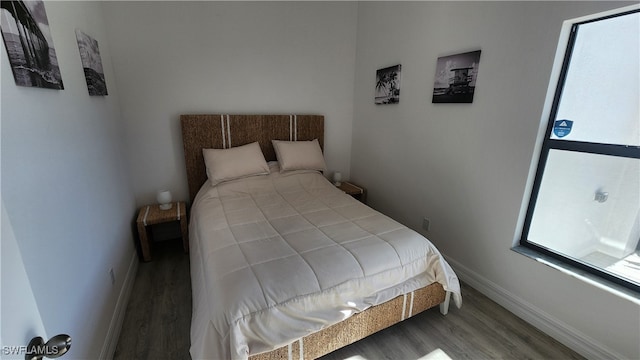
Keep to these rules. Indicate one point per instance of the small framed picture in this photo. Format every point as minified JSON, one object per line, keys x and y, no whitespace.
{"x":92,"y":64}
{"x":455,"y":79}
{"x":388,"y":85}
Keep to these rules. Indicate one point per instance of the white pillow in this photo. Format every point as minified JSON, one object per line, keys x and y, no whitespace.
{"x":235,"y":163}
{"x":299,"y":155}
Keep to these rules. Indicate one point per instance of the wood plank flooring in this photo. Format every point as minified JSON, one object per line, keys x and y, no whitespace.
{"x":158,"y":318}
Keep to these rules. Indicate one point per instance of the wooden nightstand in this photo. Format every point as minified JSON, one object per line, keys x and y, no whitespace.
{"x":356,"y":191}
{"x":151,"y":215}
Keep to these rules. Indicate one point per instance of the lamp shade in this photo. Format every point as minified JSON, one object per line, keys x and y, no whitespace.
{"x":337,"y":178}
{"x":164,"y":198}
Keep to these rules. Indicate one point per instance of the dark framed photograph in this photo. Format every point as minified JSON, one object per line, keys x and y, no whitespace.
{"x":26,"y":35}
{"x":455,"y":79}
{"x":388,"y":85}
{"x":92,"y":64}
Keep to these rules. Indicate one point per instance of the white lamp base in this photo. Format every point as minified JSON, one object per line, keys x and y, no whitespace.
{"x":166,"y":206}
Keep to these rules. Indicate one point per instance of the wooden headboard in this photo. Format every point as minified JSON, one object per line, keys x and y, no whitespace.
{"x":218,"y":131}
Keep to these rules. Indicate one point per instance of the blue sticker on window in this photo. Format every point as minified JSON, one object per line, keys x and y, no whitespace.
{"x":562,"y":128}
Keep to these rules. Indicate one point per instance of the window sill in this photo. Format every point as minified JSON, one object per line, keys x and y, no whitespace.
{"x":582,"y":275}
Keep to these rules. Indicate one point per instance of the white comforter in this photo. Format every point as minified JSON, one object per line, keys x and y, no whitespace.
{"x":280,"y":256}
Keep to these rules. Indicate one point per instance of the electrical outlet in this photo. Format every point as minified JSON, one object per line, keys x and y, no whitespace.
{"x":113,"y":276}
{"x":426,"y":224}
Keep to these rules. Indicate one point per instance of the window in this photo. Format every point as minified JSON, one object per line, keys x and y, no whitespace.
{"x":584,"y":208}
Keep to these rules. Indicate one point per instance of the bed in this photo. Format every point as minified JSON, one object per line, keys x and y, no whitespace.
{"x":283,"y":264}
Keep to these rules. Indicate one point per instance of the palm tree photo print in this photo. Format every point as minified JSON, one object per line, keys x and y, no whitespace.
{"x":388,"y":85}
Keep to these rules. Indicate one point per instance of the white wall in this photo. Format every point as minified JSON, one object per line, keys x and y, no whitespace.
{"x":173,"y":58}
{"x":21,"y":320}
{"x":66,"y":188}
{"x":465,"y":166}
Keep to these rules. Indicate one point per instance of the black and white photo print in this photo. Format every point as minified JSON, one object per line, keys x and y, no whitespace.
{"x":25,"y":30}
{"x":388,"y":85}
{"x":92,"y":64}
{"x":455,"y":79}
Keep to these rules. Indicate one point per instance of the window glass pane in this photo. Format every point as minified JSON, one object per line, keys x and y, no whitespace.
{"x":588,"y":208}
{"x":602,"y":88}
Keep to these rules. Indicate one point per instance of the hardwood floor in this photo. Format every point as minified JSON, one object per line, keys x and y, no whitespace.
{"x":158,"y":317}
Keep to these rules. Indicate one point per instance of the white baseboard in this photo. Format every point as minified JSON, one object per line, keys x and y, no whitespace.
{"x":111,"y":340}
{"x":562,"y":332}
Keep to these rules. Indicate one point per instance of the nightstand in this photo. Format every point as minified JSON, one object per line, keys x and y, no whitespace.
{"x":359,"y":193}
{"x":151,"y":215}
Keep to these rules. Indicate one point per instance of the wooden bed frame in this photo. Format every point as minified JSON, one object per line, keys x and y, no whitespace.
{"x":224,"y":131}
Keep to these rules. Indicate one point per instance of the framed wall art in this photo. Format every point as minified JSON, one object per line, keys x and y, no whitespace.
{"x":26,"y":35}
{"x":91,"y":63}
{"x":455,"y":79}
{"x":388,"y":85}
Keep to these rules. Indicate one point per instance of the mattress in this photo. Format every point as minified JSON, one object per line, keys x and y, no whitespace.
{"x":277,"y":257}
